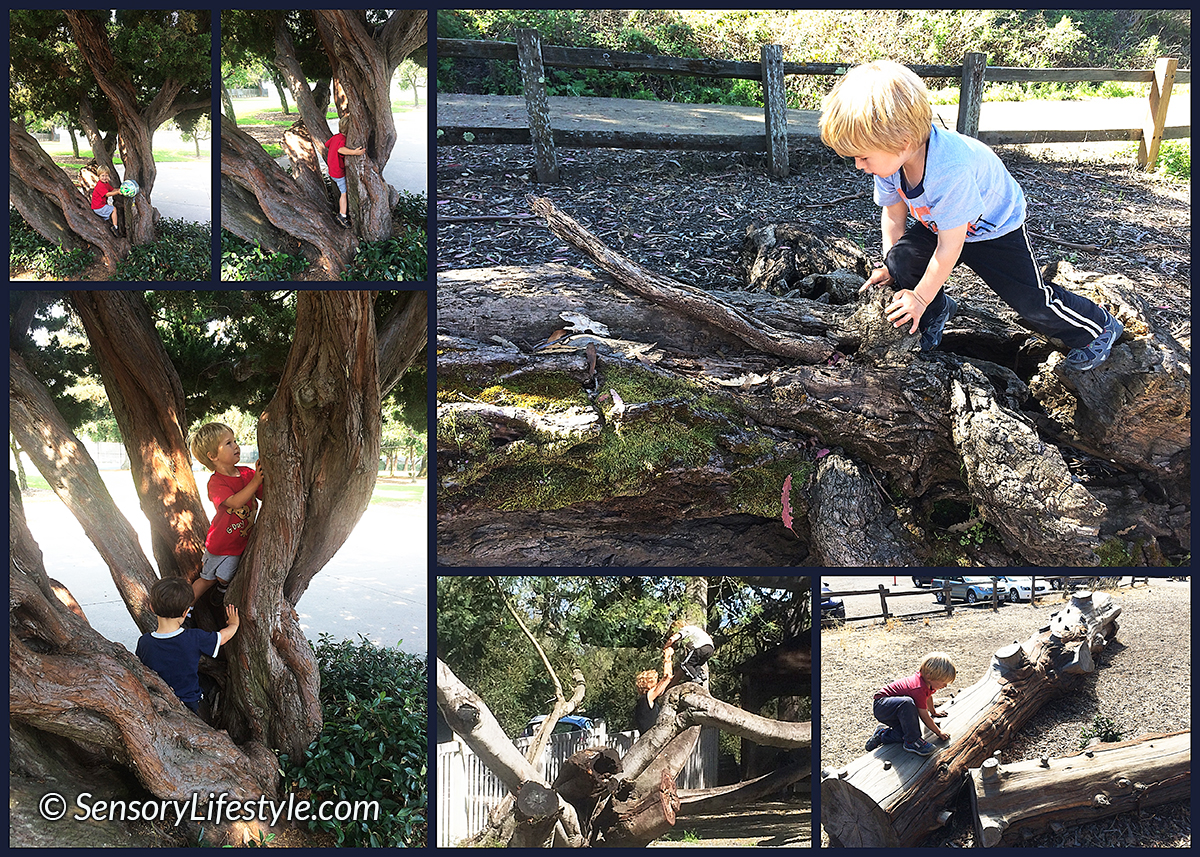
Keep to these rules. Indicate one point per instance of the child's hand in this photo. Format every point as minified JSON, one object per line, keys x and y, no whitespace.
{"x":905,"y":307}
{"x":944,"y":736}
{"x":231,"y":616}
{"x":880,"y":276}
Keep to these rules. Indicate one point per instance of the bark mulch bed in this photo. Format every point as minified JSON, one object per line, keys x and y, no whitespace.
{"x":684,"y":214}
{"x":1143,"y":683}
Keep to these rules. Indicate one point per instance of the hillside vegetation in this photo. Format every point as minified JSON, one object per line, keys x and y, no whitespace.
{"x":1031,"y":38}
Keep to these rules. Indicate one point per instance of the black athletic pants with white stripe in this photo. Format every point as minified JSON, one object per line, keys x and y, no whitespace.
{"x":1007,"y":265}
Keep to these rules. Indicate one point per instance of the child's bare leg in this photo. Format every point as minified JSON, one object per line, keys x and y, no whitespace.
{"x":200,"y":586}
{"x":342,"y":204}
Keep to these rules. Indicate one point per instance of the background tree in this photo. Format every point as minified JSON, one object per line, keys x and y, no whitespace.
{"x":322,"y":418}
{"x":357,"y":51}
{"x":123,"y":74}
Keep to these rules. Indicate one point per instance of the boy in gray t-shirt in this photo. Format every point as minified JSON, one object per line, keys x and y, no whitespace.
{"x":966,"y":207}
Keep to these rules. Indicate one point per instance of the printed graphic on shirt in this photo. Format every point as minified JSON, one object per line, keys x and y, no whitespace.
{"x":240,"y":519}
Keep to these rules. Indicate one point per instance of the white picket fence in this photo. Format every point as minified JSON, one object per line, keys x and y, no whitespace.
{"x":467,"y":790}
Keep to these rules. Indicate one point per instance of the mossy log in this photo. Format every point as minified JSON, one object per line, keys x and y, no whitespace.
{"x":890,"y":797}
{"x":589,"y":420}
{"x":1014,"y":802}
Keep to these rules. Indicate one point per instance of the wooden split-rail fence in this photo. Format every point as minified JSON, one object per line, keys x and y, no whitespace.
{"x":533,"y":57}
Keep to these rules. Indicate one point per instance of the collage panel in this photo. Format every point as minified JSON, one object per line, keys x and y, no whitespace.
{"x":965,"y":711}
{"x":586,"y":710}
{"x":219,"y":568}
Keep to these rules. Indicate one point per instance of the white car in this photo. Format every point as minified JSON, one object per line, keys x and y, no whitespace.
{"x":1021,"y":588}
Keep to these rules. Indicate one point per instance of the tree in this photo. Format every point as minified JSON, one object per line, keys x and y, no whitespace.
{"x":357,"y":51}
{"x":488,"y":629}
{"x":678,"y":426}
{"x":121,"y":75}
{"x":202,"y":130}
{"x":322,"y":420}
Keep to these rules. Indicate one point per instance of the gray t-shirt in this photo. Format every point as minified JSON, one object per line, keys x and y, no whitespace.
{"x":964,"y":182}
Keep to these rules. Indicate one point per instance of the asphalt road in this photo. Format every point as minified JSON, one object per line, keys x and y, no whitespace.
{"x":184,"y":190}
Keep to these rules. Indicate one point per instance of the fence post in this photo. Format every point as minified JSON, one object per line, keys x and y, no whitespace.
{"x":946,"y":597}
{"x":533,"y":82}
{"x":1156,"y":116}
{"x":775,"y":105}
{"x":970,"y":93}
{"x":883,"y":603}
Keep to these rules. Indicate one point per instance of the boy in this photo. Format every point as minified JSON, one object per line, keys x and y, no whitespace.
{"x":101,"y":194}
{"x":906,"y":703}
{"x":174,"y":651}
{"x":966,"y":206}
{"x":233,"y":491}
{"x":698,"y":648}
{"x":650,"y":687}
{"x":334,"y":149}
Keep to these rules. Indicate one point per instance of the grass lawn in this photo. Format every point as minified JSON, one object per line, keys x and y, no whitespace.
{"x":243,"y":107}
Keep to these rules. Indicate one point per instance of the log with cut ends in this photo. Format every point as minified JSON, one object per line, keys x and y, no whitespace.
{"x":870,"y":804}
{"x":1020,"y":800}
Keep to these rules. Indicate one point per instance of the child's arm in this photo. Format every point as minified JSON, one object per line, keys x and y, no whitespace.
{"x":908,"y":304}
{"x":231,"y":624}
{"x":241,"y":498}
{"x":927,"y":719}
{"x":892,"y":222}
{"x":346,"y":150}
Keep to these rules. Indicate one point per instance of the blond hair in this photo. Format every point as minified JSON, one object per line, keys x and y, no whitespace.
{"x":205,"y":442}
{"x":646,"y":680}
{"x":937,"y":666}
{"x":881,"y":106}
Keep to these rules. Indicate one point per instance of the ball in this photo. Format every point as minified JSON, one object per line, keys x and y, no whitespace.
{"x":129,"y":188}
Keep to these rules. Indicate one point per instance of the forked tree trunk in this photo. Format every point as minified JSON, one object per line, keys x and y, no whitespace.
{"x":68,"y":680}
{"x":319,"y":441}
{"x":1014,"y":802}
{"x":891,"y":797}
{"x":147,"y":401}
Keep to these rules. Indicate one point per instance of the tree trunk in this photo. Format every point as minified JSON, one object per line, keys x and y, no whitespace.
{"x":52,"y":205}
{"x":65,"y":463}
{"x":227,"y":104}
{"x":67,"y":680}
{"x":750,"y":386}
{"x":147,"y":400}
{"x":1014,"y":802}
{"x":890,"y":797}
{"x":319,"y":441}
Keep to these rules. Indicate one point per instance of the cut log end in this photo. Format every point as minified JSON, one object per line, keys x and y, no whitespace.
{"x":536,"y":802}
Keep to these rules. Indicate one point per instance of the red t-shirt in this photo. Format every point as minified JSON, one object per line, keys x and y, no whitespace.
{"x":100,"y":194}
{"x":913,"y":687}
{"x":230,"y":527}
{"x":337,"y":165}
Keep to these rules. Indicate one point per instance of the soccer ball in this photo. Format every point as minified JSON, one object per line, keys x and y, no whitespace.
{"x":129,"y":188}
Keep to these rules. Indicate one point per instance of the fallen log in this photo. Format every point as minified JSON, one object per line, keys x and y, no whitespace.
{"x":890,"y":797}
{"x":1014,"y":802}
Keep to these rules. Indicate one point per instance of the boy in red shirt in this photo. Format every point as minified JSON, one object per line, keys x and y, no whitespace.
{"x":906,"y":703}
{"x":335,"y":147}
{"x":101,"y":194}
{"x":234,"y":491}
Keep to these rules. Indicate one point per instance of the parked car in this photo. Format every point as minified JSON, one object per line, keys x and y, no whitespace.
{"x":970,"y":589}
{"x":568,"y":723}
{"x":922,"y":581}
{"x":1021,"y":588}
{"x":832,"y":608}
{"x":1072,"y":581}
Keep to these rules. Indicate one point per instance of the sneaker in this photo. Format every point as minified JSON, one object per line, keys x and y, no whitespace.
{"x":921,"y":747}
{"x":343,"y":220}
{"x":931,"y":337}
{"x":1093,"y":355}
{"x":876,"y":739}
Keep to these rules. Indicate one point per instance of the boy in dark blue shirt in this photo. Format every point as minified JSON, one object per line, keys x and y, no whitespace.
{"x":174,"y":651}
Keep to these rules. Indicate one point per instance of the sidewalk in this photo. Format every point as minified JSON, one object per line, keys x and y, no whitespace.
{"x":376,"y":584}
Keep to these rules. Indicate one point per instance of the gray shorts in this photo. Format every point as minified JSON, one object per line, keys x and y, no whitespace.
{"x":106,"y":211}
{"x":221,"y":568}
{"x":341,"y":183}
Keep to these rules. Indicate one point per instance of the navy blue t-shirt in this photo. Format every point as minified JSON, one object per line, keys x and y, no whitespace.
{"x":176,"y":657}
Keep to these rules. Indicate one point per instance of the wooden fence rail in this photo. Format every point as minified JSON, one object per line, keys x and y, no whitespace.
{"x":1069,"y":583}
{"x":533,"y":57}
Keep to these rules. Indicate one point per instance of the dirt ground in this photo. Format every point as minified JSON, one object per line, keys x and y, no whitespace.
{"x":1143,"y":683}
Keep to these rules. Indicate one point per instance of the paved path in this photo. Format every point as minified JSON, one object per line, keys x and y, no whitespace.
{"x":184,"y":190}
{"x":627,"y":115}
{"x":376,"y":585}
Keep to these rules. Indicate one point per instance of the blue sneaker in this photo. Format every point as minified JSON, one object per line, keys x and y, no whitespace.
{"x":921,"y":747}
{"x":876,"y":739}
{"x":1093,"y":355}
{"x":931,"y":337}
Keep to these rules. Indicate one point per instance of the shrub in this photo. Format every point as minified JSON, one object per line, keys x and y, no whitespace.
{"x":241,"y":260}
{"x":183,"y":251}
{"x":403,"y":257}
{"x":1104,"y":728}
{"x":28,"y":249}
{"x":373,"y":746}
